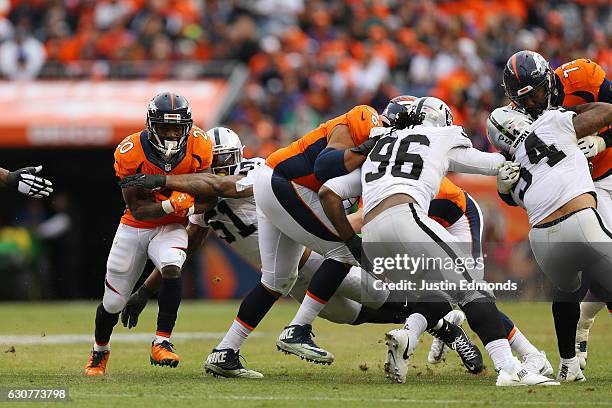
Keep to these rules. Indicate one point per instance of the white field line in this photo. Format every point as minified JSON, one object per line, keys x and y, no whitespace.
{"x":466,"y":402}
{"x":119,"y":337}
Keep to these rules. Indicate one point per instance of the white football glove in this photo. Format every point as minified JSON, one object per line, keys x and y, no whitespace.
{"x":24,"y":181}
{"x":592,"y":145}
{"x":507,"y":176}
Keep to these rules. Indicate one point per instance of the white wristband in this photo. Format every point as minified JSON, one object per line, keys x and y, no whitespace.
{"x":190,"y":211}
{"x":167,"y":207}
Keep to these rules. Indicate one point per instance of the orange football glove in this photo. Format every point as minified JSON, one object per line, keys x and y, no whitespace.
{"x":179,"y":204}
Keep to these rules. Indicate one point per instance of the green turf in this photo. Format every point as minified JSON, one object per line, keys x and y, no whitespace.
{"x":355,"y":379}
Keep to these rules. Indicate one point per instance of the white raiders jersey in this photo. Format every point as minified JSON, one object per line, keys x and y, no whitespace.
{"x":235,"y":220}
{"x":553,"y":169}
{"x":413,"y":161}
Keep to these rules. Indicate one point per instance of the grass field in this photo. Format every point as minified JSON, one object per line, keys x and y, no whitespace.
{"x":355,"y":379}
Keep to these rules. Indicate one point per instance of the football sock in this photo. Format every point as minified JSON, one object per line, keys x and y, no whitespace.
{"x":519,"y":343}
{"x":589,"y":308}
{"x":483,"y":317}
{"x":235,"y":336}
{"x":566,"y":315}
{"x":168,"y":299}
{"x":387,"y":313}
{"x":104,"y":327}
{"x":440,"y":325}
{"x":416,"y":324}
{"x":500,"y":353}
{"x":433,"y":310}
{"x":507,"y":322}
{"x":322,"y":286}
{"x":309,"y":310}
{"x":252,"y":310}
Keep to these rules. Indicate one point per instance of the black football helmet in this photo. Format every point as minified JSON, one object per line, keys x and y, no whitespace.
{"x":396,"y":111}
{"x":169,"y":122}
{"x":529,"y":82}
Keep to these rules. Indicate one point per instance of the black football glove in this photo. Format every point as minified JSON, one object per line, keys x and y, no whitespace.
{"x":366,"y":147}
{"x":24,"y":181}
{"x":134,"y":306}
{"x":356,"y":247}
{"x":149,"y":181}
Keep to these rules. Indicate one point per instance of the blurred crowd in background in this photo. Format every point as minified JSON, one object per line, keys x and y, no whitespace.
{"x":308,"y":60}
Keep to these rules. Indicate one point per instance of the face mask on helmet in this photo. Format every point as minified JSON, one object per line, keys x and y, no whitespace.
{"x":432,"y":112}
{"x":225,"y":160}
{"x":507,"y":128}
{"x":169,"y":123}
{"x":227,"y":150}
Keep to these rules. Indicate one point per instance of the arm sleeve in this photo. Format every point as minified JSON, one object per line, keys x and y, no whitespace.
{"x":329,"y":164}
{"x":470,"y":160}
{"x":346,"y":186}
{"x":605,"y":91}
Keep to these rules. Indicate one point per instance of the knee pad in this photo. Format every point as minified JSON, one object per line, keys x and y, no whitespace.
{"x":113,"y":302}
{"x":279,"y":284}
{"x":172,"y":257}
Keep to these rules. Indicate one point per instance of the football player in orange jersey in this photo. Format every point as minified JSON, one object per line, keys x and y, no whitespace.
{"x":532,"y":85}
{"x":290,"y":218}
{"x":24,"y":181}
{"x":153,"y":225}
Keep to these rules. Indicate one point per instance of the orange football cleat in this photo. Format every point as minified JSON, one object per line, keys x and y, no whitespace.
{"x":97,"y":363}
{"x":162,"y":354}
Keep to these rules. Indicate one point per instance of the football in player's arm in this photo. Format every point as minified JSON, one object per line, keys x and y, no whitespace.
{"x":25,"y":181}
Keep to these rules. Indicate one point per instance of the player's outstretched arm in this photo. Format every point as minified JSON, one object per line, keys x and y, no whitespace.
{"x":473,"y":161}
{"x":204,"y":185}
{"x":25,"y":182}
{"x":591,"y":118}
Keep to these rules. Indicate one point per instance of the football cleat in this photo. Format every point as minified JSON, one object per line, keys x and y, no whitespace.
{"x":297,"y":339}
{"x":456,"y":339}
{"x":569,"y":370}
{"x":519,"y":376}
{"x":537,"y":363}
{"x":162,"y":354}
{"x":97,"y":363}
{"x":226,"y":363}
{"x":438,"y":350}
{"x":582,"y":354}
{"x":399,"y":350}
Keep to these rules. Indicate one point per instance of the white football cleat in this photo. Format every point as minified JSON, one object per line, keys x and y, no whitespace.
{"x":569,"y":370}
{"x":438,"y":350}
{"x":537,"y":363}
{"x":518,"y":376}
{"x":399,"y":350}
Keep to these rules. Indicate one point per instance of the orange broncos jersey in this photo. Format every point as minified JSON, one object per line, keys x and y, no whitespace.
{"x":449,"y":205}
{"x":296,"y":161}
{"x":136,"y":155}
{"x":581,"y":80}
